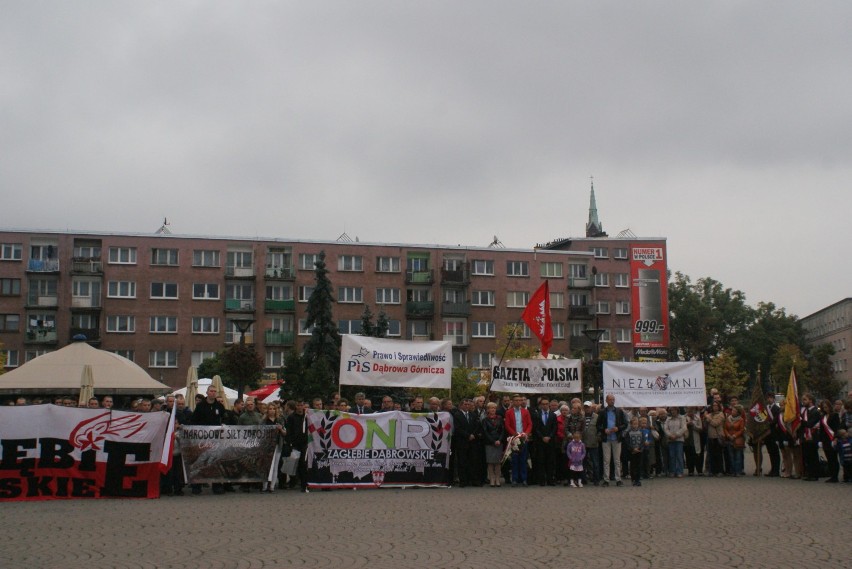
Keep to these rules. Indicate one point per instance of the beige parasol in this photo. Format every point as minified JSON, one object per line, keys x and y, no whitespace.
{"x":220,"y":389}
{"x":87,"y":386}
{"x":191,"y":387}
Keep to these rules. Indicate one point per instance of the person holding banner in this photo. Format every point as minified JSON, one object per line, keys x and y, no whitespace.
{"x":297,"y":437}
{"x":518,"y":423}
{"x":209,"y":412}
{"x":493,"y":435}
{"x":273,"y":418}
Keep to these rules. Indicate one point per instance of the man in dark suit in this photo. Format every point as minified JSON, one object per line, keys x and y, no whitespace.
{"x":467,"y":435}
{"x":771,"y":441}
{"x":360,"y":407}
{"x":544,"y":443}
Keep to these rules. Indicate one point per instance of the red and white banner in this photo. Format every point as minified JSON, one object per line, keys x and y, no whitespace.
{"x":395,"y":363}
{"x":49,"y":452}
{"x":650,"y":299}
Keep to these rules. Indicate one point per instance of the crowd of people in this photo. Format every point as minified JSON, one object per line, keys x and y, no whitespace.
{"x":518,"y":441}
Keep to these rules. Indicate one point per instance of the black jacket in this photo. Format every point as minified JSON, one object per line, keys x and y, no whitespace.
{"x":620,"y":423}
{"x":208,"y":413}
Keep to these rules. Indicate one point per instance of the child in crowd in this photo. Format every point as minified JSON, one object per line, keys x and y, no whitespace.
{"x":650,"y":436}
{"x":576,"y":452}
{"x":636,"y":442}
{"x":843,"y":446}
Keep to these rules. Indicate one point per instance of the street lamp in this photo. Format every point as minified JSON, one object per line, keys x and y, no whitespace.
{"x":242,"y":325}
{"x":594,"y":335}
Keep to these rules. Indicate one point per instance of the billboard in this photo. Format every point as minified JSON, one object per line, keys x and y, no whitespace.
{"x":650,"y":301}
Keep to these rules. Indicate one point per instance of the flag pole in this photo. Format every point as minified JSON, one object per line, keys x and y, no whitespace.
{"x":505,"y":349}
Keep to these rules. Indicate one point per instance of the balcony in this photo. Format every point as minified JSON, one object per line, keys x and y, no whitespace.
{"x":82,"y":266}
{"x":420,"y":309}
{"x":275,"y":338}
{"x":41,"y":336}
{"x":280,"y":273}
{"x":86,"y":302}
{"x":580,"y":312}
{"x":239,"y":272}
{"x":420,"y":277}
{"x":580,"y":282}
{"x":239,"y":304}
{"x":91,"y":334}
{"x":420,"y":337}
{"x":279,"y":305}
{"x":460,"y":276}
{"x":455,"y":309}
{"x":457,"y":341}
{"x":43,"y":300}
{"x":43,"y":266}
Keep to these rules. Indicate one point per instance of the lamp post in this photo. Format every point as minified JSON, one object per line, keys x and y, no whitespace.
{"x":242,"y":325}
{"x":594,"y":335}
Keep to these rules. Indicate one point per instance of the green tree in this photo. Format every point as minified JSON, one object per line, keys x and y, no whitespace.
{"x":771,"y":328}
{"x":821,"y":375}
{"x":322,"y":350}
{"x":724,"y":374}
{"x":382,"y":325}
{"x":2,"y":359}
{"x":213,"y":366}
{"x":609,"y":353}
{"x":511,"y":346}
{"x":367,"y":326}
{"x":788,"y":356}
{"x":293,"y":373}
{"x":242,"y":365}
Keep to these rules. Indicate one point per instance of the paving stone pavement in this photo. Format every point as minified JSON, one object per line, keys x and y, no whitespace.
{"x":687,"y":523}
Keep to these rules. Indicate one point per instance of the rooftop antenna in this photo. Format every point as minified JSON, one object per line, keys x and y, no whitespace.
{"x":164,"y":229}
{"x":627,"y":234}
{"x":344,"y":238}
{"x":496,"y":243}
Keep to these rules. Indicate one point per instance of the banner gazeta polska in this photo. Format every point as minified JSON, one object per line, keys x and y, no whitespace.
{"x":650,"y":300}
{"x":49,"y":452}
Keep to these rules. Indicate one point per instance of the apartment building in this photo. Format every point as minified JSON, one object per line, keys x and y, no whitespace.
{"x":833,"y":325}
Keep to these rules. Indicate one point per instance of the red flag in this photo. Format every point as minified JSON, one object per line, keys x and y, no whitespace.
{"x":537,"y":317}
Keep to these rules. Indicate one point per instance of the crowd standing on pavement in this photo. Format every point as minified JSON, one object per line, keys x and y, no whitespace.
{"x":517,"y":441}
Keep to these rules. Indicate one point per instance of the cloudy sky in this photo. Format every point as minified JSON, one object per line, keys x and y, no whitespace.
{"x":724,"y":126}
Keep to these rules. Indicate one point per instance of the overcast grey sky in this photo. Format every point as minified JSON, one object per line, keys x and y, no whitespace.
{"x":724,"y":126}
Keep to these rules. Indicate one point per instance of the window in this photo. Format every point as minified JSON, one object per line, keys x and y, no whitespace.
{"x":274,"y":358}
{"x":603,"y":307}
{"x":578,"y":299}
{"x":162,"y":358}
{"x":121,"y":289}
{"x":517,"y":299}
{"x":459,"y":359}
{"x":121,"y":324}
{"x":623,"y":336}
{"x":307,"y":260}
{"x":553,"y":270}
{"x":387,"y":296}
{"x":164,"y":257}
{"x":577,"y":329}
{"x":524,"y":331}
{"x":205,"y":291}
{"x":10,"y":287}
{"x":483,"y":267}
{"x":305,"y":293}
{"x":481,"y":360}
{"x":602,"y":279}
{"x":394,"y":329}
{"x":349,"y":326}
{"x":205,"y":325}
{"x":86,"y":289}
{"x":163,"y":325}
{"x":240,"y":259}
{"x":205,"y":258}
{"x":419,"y":295}
{"x":122,"y":255}
{"x":483,"y":330}
{"x":82,"y":251}
{"x":453,"y":263}
{"x":10,"y":322}
{"x":517,"y":268}
{"x":32,"y":354}
{"x":600,"y":252}
{"x":303,"y":329}
{"x":454,"y":296}
{"x":387,"y":264}
{"x":605,"y":337}
{"x":84,"y":321}
{"x":350,"y":294}
{"x":622,"y":280}
{"x":576,"y":271}
{"x":164,"y":290}
{"x":558,"y":330}
{"x":11,"y":252}
{"x":43,"y":251}
{"x":557,"y":300}
{"x":622,"y":307}
{"x":419,"y":329}
{"x":482,"y":298}
{"x":237,"y":291}
{"x":455,"y":333}
{"x":197,"y":358}
{"x":279,"y":292}
{"x":11,"y":358}
{"x":619,"y":253}
{"x":418,"y":262}
{"x":41,"y":323}
{"x":350,"y":263}
{"x":43,"y":292}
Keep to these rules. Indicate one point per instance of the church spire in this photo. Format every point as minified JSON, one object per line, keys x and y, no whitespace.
{"x":594,"y":228}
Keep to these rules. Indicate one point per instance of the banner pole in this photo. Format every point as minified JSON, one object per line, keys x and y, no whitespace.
{"x":505,"y":349}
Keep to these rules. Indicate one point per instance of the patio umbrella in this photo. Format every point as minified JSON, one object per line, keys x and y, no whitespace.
{"x":87,"y":386}
{"x":220,"y":389}
{"x":191,"y":387}
{"x":265,"y":391}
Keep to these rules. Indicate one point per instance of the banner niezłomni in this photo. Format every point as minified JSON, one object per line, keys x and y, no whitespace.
{"x":648,"y":384}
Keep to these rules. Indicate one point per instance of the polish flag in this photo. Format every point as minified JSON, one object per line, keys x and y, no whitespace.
{"x":537,"y":317}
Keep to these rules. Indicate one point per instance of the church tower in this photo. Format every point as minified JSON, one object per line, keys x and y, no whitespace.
{"x":594,"y":228}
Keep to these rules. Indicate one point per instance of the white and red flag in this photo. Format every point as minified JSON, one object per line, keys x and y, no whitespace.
{"x":537,"y":317}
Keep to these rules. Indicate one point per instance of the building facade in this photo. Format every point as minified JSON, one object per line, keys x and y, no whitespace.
{"x":833,"y":325}
{"x":168,"y":302}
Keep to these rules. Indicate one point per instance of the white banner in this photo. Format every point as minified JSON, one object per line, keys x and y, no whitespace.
{"x":647,"y":384}
{"x":395,"y":363}
{"x":538,"y":376}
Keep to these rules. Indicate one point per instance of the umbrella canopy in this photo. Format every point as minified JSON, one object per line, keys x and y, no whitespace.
{"x":265,"y":391}
{"x":191,"y":387}
{"x":87,"y":386}
{"x":220,"y":389}
{"x":61,"y":371}
{"x":203,"y":384}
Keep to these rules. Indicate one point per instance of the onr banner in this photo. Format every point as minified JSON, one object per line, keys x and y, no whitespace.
{"x":51,"y":452}
{"x":382,"y":449}
{"x":538,"y":376}
{"x":395,"y":363}
{"x":646,"y":384}
{"x":234,"y":454}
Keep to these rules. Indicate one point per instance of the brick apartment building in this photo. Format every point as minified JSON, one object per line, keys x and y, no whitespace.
{"x":833,"y":325}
